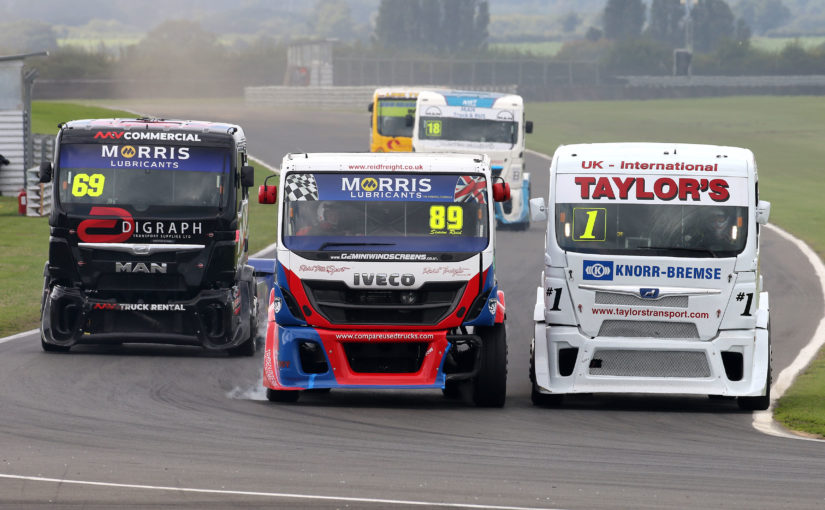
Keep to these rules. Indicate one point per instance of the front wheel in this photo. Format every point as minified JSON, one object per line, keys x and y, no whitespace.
{"x":490,"y":385}
{"x":763,"y":402}
{"x":288,"y":396}
{"x":536,"y":397}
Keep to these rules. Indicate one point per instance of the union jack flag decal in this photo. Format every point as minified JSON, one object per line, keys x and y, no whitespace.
{"x":470,"y":188}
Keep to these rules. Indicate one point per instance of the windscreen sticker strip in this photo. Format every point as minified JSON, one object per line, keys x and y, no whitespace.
{"x":145,"y":157}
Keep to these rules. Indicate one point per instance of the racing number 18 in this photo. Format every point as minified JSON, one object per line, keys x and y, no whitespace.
{"x":451,"y":217}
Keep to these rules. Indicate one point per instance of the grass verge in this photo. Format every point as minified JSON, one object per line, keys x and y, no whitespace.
{"x":803,"y":406}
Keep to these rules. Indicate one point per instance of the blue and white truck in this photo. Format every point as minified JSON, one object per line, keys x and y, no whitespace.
{"x":480,"y":122}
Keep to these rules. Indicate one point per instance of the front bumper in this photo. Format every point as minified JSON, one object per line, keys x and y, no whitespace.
{"x":212,"y":319}
{"x":300,"y":357}
{"x":735,"y":363}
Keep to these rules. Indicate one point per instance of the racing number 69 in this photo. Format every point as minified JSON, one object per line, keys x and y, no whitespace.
{"x":451,"y":217}
{"x":84,"y":184}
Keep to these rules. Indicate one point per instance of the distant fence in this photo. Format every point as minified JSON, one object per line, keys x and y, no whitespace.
{"x":335,"y":97}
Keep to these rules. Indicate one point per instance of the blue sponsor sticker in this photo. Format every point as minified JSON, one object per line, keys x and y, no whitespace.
{"x":648,"y":293}
{"x":597,"y":270}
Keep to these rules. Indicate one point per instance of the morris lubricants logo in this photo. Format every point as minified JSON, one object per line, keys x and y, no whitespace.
{"x":369,"y":184}
{"x":144,"y":156}
{"x":386,"y":187}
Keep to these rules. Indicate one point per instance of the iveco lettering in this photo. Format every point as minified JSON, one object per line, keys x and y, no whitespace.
{"x":384,"y":276}
{"x":651,"y":281}
{"x":148,"y":236}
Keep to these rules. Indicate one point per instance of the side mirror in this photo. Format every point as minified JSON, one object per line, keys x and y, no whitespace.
{"x":267,"y":194}
{"x":538,"y":211}
{"x":528,"y":126}
{"x":763,"y":212}
{"x":45,"y":172}
{"x":247,"y":176}
{"x":409,"y":120}
{"x":501,"y":191}
{"x":369,"y":107}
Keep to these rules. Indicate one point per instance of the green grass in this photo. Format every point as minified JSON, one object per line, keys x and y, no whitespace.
{"x":803,"y":406}
{"x":46,"y":115}
{"x":538,"y":49}
{"x":786,"y":135}
{"x":776,"y":44}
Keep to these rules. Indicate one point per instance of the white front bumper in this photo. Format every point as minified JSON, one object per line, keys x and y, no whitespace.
{"x":650,"y":365}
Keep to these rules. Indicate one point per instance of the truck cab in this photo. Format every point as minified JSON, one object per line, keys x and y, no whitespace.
{"x":651,"y":280}
{"x":480,"y":122}
{"x":149,"y":236}
{"x":384,"y":276}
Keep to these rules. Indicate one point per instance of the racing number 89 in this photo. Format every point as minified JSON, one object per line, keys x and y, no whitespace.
{"x":451,"y":217}
{"x":84,"y":184}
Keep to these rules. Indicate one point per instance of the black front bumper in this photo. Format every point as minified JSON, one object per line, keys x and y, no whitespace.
{"x":214,"y":319}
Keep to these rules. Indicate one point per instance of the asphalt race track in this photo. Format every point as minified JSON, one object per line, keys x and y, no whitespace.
{"x":178,"y":427}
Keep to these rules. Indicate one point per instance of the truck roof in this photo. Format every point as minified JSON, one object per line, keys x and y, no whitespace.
{"x":386,"y":161}
{"x":410,"y":92}
{"x":480,"y":99}
{"x":673,"y":158}
{"x":154,"y":124}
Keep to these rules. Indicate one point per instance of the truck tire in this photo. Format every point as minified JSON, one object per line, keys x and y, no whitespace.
{"x":52,"y":348}
{"x":247,"y":348}
{"x":490,"y":385}
{"x":538,"y":398}
{"x":288,"y":396}
{"x":763,"y":402}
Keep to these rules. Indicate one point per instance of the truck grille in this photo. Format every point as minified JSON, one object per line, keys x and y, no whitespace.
{"x":649,"y":363}
{"x":341,"y":305}
{"x":610,"y":298}
{"x":140,"y":281}
{"x":385,"y":357}
{"x":649,"y":329}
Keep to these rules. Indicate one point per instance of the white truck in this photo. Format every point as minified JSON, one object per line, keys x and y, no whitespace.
{"x":480,"y":122}
{"x":651,"y":279}
{"x":384,"y":276}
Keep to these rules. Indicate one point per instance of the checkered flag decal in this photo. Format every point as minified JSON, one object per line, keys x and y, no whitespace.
{"x":470,"y":189}
{"x":301,"y":187}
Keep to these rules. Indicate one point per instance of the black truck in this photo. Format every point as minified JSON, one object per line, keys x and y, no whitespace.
{"x":149,"y":236}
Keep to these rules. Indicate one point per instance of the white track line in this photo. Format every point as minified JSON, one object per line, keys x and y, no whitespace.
{"x":18,"y":335}
{"x":763,"y":420}
{"x":282,"y":495}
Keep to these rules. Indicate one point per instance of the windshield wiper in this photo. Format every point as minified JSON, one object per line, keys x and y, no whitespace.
{"x":676,"y":248}
{"x":353,"y":244}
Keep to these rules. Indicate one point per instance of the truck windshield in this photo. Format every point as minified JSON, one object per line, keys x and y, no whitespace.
{"x":155,"y":178}
{"x":385,"y":212}
{"x":468,"y":130}
{"x":670,"y":230}
{"x":392,"y":116}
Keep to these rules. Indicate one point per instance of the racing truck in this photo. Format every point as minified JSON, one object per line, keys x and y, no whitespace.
{"x":651,"y":280}
{"x":384,"y":276}
{"x":149,"y":236}
{"x":472,"y":122}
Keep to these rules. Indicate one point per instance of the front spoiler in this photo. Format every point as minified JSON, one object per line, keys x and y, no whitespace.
{"x":212,"y":319}
{"x":447,"y":358}
{"x":752,"y":345}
